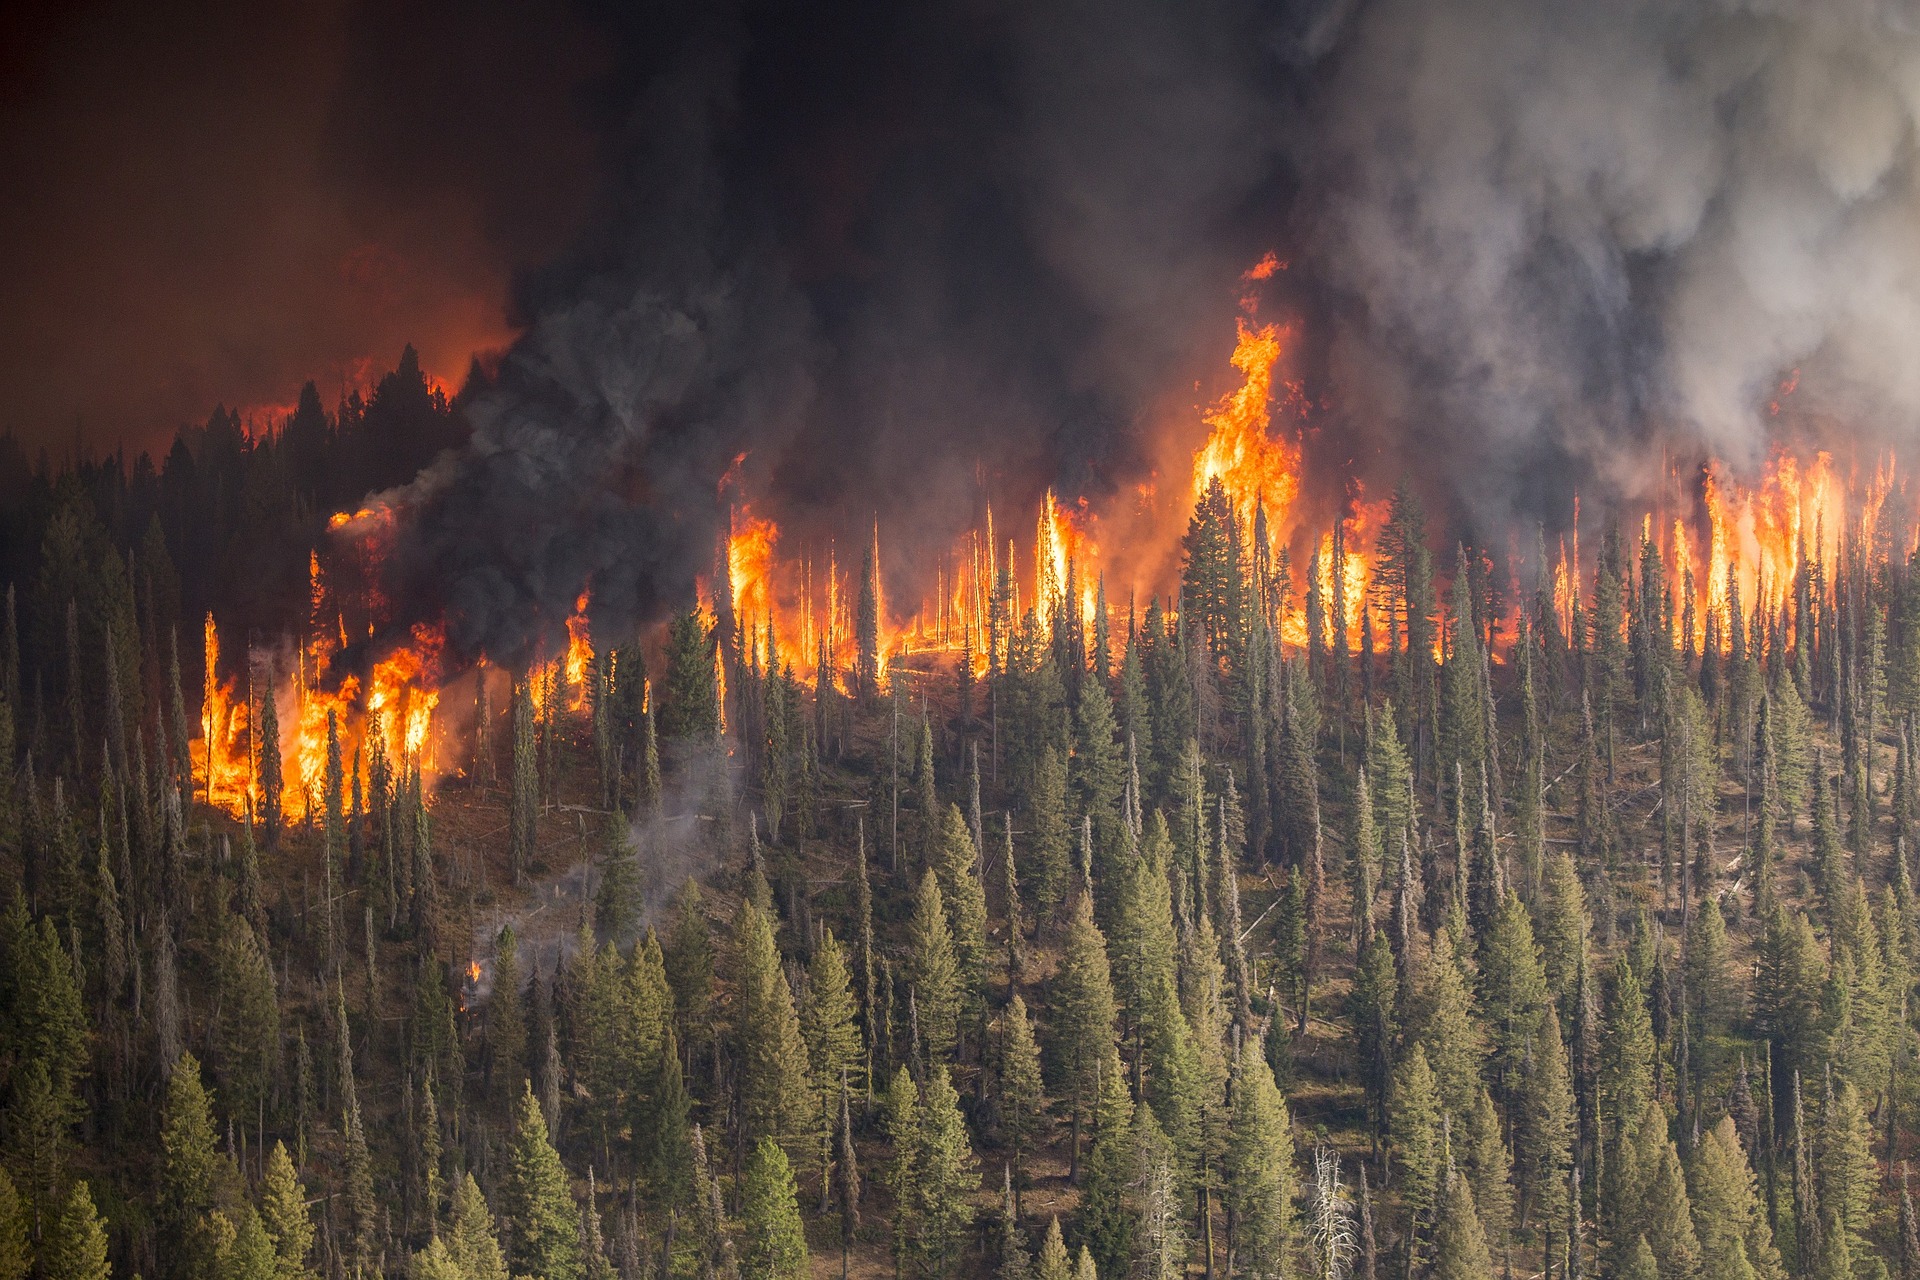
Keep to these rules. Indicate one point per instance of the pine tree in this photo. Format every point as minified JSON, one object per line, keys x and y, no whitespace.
{"x":471,"y":1242}
{"x":1053,"y":1263}
{"x":75,"y":1244}
{"x":283,"y":1211}
{"x":776,"y":1099}
{"x":945,"y":1175}
{"x":1082,"y":1004}
{"x":189,"y":1173}
{"x":1459,"y":1242}
{"x":545,"y":1232}
{"x":1513,"y":991}
{"x":1261,"y":1182}
{"x":1052,"y":836}
{"x":775,"y":1242}
{"x":1728,"y":1214}
{"x":1023,"y":1101}
{"x":689,"y":960}
{"x":957,"y":861}
{"x":16,"y":1252}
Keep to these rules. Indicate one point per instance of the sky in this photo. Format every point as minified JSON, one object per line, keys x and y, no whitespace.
{"x":211,"y":204}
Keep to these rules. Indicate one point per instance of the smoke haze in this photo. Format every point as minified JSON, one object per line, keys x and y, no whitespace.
{"x":892,"y":261}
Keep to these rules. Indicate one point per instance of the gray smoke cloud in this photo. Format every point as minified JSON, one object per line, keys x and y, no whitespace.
{"x":1556,"y":236}
{"x":913,"y":257}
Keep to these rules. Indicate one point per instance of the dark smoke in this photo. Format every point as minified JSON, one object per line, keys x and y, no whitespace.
{"x":909,"y":258}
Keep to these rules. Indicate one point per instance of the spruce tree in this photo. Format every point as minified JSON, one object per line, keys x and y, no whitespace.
{"x":1459,"y":1242}
{"x":1414,"y":1121}
{"x":506,"y":1020}
{"x":932,"y":971}
{"x":1261,"y":1182}
{"x":284,"y":1213}
{"x":1023,"y":1102}
{"x":1052,"y":836}
{"x":538,"y":1205}
{"x":775,"y":1243}
{"x":1107,"y":1220}
{"x":776,"y":1098}
{"x":74,"y":1246}
{"x":1082,"y":1004}
{"x":16,"y":1249}
{"x":945,"y":1175}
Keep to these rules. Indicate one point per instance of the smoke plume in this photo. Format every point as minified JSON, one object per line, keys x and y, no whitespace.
{"x":902,"y":260}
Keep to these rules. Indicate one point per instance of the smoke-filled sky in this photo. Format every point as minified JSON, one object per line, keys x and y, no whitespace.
{"x":891,"y":251}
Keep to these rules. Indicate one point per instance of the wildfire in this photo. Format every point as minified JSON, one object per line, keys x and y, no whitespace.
{"x":579,"y":660}
{"x":1259,"y":471}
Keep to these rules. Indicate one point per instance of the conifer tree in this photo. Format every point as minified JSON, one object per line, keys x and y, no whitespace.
{"x":1083,"y":1011}
{"x":16,"y":1250}
{"x":933,"y":972}
{"x":900,"y":1119}
{"x":1023,"y":1101}
{"x":775,"y":1242}
{"x":506,"y":1021}
{"x":1054,"y":1262}
{"x":776,"y":1099}
{"x":1845,"y":1165}
{"x":1729,"y":1215}
{"x":1489,"y":1168}
{"x":1414,"y":1121}
{"x":1459,"y":1241}
{"x":957,"y":861}
{"x":689,"y":961}
{"x":1513,"y":991}
{"x":283,"y":1211}
{"x":1107,"y":1220}
{"x":545,"y":1231}
{"x":268,"y":770}
{"x":945,"y":1175}
{"x":1052,"y":837}
{"x":1261,"y":1182}
{"x":1544,"y":1123}
{"x":189,"y":1172}
{"x":833,"y":1043}
{"x":75,"y":1244}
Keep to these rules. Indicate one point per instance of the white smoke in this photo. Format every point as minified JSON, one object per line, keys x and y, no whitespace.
{"x":1562,"y":233}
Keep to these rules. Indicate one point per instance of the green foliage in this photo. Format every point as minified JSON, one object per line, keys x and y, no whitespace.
{"x":776,"y":1096}
{"x":774,"y":1242}
{"x":1261,"y":1180}
{"x":932,"y":971}
{"x":284,"y":1214}
{"x":544,"y":1225}
{"x":75,"y":1244}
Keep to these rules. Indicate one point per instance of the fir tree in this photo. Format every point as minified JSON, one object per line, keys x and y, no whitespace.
{"x":1023,"y":1101}
{"x":1261,"y":1181}
{"x":75,"y":1244}
{"x":945,"y":1175}
{"x":776,"y":1099}
{"x":957,"y":861}
{"x":1459,"y":1242}
{"x":190,"y":1170}
{"x":506,"y":1022}
{"x":283,"y":1211}
{"x":1052,"y":838}
{"x":775,"y":1242}
{"x":1107,"y":1221}
{"x":1082,"y":1004}
{"x":1054,"y":1262}
{"x":1414,"y":1120}
{"x":545,"y":1233}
